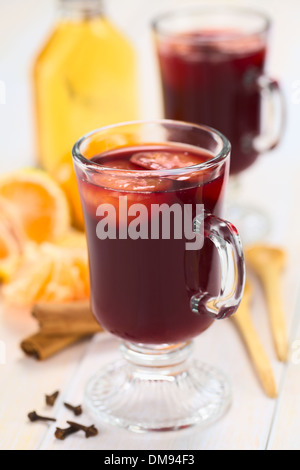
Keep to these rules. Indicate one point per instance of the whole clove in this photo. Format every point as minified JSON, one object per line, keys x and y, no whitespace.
{"x":73,"y":428}
{"x":62,"y":434}
{"x":51,"y":399}
{"x":77,"y":410}
{"x":90,"y":431}
{"x":34,"y":417}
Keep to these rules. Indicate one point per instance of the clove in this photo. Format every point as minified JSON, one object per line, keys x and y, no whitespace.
{"x":77,"y":410}
{"x":90,"y":431}
{"x":34,"y":417}
{"x":51,"y":399}
{"x":62,"y":434}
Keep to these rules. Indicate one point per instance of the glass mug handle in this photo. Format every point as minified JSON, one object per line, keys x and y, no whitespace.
{"x":228,"y":243}
{"x":275,"y":122}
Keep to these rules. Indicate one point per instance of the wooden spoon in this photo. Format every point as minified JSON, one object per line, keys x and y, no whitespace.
{"x":261,"y":362}
{"x":268,"y":263}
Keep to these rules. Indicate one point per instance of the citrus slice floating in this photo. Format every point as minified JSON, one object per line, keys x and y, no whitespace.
{"x":166,"y":160}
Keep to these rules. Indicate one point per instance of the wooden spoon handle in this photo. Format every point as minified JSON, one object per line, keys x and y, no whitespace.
{"x":257,"y":353}
{"x":276,"y":315}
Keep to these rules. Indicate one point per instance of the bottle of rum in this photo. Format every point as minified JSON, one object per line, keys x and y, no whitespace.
{"x":85,"y":77}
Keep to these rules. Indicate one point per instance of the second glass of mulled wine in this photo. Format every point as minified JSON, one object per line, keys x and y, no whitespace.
{"x":163,"y":266}
{"x":212,"y":63}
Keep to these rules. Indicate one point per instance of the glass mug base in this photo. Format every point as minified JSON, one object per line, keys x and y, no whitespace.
{"x":158,"y":389}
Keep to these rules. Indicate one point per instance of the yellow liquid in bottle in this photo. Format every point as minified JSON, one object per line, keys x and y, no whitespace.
{"x":84,"y":78}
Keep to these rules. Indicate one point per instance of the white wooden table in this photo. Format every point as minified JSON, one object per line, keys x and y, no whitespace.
{"x":254,"y":421}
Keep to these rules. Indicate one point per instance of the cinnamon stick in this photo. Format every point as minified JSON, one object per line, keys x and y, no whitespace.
{"x":60,"y":326}
{"x":42,"y":347}
{"x":74,"y":318}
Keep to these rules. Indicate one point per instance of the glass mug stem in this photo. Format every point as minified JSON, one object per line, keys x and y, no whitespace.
{"x":148,"y":358}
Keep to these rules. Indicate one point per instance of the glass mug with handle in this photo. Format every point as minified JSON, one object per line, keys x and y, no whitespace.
{"x":163,"y":266}
{"x":212,"y":62}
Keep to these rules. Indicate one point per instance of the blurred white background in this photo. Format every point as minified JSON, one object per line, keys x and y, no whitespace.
{"x":25,"y":24}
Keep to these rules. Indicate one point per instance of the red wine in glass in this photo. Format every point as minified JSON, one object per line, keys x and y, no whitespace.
{"x":211,"y":80}
{"x":141,"y":289}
